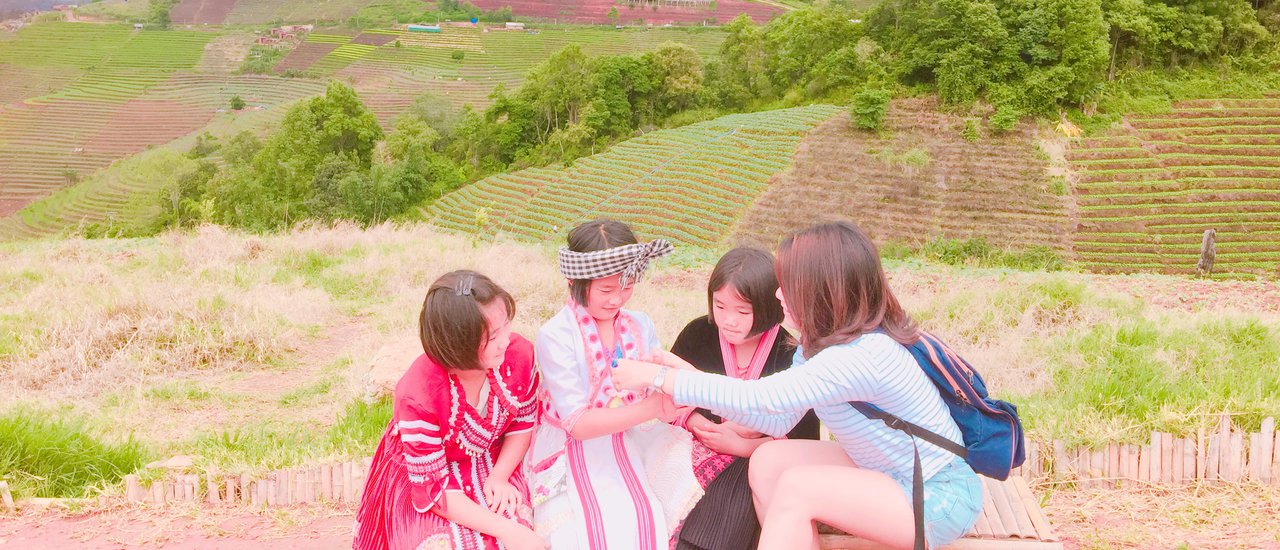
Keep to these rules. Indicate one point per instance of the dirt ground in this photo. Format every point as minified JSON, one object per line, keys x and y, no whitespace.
{"x":1092,"y":518}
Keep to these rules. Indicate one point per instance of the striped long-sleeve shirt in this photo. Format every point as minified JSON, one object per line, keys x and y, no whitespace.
{"x":873,"y":368}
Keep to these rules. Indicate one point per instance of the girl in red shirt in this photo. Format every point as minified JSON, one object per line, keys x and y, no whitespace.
{"x":447,"y":473}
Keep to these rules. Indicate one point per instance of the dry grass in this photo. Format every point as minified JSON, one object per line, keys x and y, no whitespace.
{"x":189,"y":333}
{"x":1155,"y":517}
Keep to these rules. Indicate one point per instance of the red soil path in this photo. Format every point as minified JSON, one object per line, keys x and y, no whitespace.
{"x":597,"y":11}
{"x":196,"y":12}
{"x":319,"y":529}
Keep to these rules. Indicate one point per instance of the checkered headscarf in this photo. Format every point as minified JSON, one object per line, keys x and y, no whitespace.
{"x":630,"y":260}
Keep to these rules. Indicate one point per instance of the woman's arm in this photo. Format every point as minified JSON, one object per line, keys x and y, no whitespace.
{"x":594,"y":423}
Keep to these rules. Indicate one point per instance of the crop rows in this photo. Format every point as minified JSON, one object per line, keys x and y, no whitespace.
{"x":1147,"y":195}
{"x":689,"y":185}
{"x":993,"y":189}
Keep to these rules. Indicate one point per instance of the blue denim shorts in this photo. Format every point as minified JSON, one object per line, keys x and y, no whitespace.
{"x":952,"y":501}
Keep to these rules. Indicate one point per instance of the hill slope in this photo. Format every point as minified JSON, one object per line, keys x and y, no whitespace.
{"x":689,"y":184}
{"x":924,"y":180}
{"x":1149,"y":190}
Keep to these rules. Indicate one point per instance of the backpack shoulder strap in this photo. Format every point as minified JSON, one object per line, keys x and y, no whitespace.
{"x":875,"y":413}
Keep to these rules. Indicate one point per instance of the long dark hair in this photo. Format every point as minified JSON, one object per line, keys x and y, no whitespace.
{"x":836,"y":290}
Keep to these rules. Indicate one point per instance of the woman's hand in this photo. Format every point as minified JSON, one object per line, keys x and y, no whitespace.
{"x":502,"y":495}
{"x":724,"y":440}
{"x":662,"y":407}
{"x":634,"y":375}
{"x":742,"y":431}
{"x":664,"y":357}
{"x":523,"y":538}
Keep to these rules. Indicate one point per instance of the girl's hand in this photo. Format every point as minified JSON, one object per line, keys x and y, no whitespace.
{"x":722,"y":439}
{"x":502,"y":496}
{"x":697,"y":421}
{"x":524,"y":538}
{"x":633,"y":375}
{"x":661,"y":407}
{"x":672,"y":360}
{"x":742,"y":431}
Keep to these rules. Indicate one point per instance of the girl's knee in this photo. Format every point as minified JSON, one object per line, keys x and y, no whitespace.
{"x":792,"y":495}
{"x":767,"y":462}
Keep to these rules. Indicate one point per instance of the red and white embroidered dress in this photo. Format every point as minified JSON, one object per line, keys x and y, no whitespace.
{"x":438,"y":442}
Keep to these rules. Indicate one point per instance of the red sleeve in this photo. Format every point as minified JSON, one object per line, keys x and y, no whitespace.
{"x":524,"y":382}
{"x":422,"y":428}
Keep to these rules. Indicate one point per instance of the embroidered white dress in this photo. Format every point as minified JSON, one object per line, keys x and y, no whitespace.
{"x":628,"y":490}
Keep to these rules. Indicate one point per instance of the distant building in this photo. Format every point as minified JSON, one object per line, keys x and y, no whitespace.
{"x":515,"y":26}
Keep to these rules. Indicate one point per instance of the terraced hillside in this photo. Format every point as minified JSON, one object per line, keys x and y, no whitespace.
{"x":922,"y":182}
{"x":390,"y":77}
{"x":690,"y":184}
{"x":639,"y":12}
{"x":124,"y":91}
{"x":1149,"y":191}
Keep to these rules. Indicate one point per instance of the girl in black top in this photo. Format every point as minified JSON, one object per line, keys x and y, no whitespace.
{"x":741,"y":337}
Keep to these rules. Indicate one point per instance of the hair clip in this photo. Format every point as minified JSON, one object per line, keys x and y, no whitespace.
{"x":463,"y":288}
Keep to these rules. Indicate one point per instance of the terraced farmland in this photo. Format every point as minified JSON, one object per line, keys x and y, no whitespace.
{"x":389,"y":78}
{"x":923,"y":182}
{"x":104,"y":194}
{"x":656,"y":13}
{"x":1148,"y":193}
{"x":689,"y":184}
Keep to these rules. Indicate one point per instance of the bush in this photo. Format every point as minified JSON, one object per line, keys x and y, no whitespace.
{"x":869,"y":108}
{"x":262,"y":59}
{"x":458,"y":55}
{"x":980,"y":253}
{"x":237,"y":103}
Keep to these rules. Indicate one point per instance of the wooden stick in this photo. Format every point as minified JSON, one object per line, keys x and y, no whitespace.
{"x":1275,"y":460}
{"x":232,"y":490}
{"x":1144,"y":463}
{"x":158,"y":492}
{"x":1175,"y":457}
{"x":1224,"y":447}
{"x":1236,"y":457}
{"x":1188,"y":461}
{"x":1268,"y":449}
{"x":211,"y":495}
{"x":1251,"y":458}
{"x":1214,"y":456}
{"x":133,"y":490}
{"x":1157,"y":453}
{"x":348,"y":487}
{"x":1166,"y":461}
{"x":1202,"y":452}
{"x":6,"y":498}
{"x":1113,"y":461}
{"x":1059,"y":458}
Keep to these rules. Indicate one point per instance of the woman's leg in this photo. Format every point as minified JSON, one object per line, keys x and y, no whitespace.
{"x":807,"y":481}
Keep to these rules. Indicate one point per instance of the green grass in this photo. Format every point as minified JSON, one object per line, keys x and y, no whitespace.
{"x":979,"y":253}
{"x":40,"y":457}
{"x":275,"y":444}
{"x":1137,"y":375}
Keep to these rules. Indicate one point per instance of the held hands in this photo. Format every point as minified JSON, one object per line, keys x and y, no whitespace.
{"x":725,"y":438}
{"x":664,"y":409}
{"x":502,"y":495}
{"x":636,"y":375}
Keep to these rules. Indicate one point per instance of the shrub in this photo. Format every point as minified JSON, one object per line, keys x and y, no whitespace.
{"x":869,"y":108}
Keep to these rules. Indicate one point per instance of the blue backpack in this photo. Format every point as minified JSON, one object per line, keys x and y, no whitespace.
{"x":991,"y":430}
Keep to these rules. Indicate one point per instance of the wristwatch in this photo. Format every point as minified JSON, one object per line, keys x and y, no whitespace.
{"x":660,"y":378}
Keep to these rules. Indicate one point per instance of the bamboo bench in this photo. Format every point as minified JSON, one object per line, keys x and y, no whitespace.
{"x":1011,"y":519}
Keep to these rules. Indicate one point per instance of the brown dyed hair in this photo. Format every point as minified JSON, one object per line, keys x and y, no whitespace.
{"x":836,"y":289}
{"x":749,"y":271}
{"x":451,"y":325}
{"x":590,"y":237}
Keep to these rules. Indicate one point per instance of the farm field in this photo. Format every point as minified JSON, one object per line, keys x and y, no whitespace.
{"x":1147,"y":193}
{"x":631,"y":12}
{"x":689,"y":185}
{"x":923,"y":182}
{"x":390,"y":77}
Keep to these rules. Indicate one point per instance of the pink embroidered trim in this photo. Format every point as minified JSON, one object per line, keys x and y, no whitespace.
{"x":644,"y":512}
{"x":758,"y":359}
{"x":590,"y":506}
